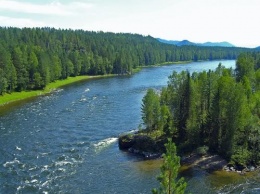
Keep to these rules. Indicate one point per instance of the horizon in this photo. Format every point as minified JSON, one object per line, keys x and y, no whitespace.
{"x":199,"y":22}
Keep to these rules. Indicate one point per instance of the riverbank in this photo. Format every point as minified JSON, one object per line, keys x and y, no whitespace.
{"x":207,"y":162}
{"x":151,"y":146}
{"x":14,"y":97}
{"x":165,"y":63}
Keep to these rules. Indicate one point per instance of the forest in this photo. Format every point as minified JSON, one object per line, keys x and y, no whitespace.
{"x":218,"y":110}
{"x":30,"y":58}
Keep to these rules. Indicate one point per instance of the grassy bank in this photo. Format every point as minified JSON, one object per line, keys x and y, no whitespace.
{"x":17,"y":96}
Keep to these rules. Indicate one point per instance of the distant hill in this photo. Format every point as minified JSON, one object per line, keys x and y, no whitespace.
{"x":187,"y":42}
{"x":222,"y":44}
{"x":257,"y":48}
{"x":176,"y":42}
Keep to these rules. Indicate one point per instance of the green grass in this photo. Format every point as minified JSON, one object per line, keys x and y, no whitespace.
{"x":137,"y":69}
{"x":17,"y":96}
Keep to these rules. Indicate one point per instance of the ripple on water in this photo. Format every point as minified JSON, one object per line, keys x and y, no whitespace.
{"x":104,"y":143}
{"x":44,"y":176}
{"x":11,"y":163}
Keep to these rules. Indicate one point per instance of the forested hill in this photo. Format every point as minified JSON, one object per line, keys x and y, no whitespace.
{"x":186,"y":42}
{"x":32,"y":58}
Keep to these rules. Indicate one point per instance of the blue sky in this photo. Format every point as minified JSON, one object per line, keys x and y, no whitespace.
{"x":235,"y":21}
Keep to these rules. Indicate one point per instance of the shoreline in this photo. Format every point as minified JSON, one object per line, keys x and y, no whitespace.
{"x":207,"y":162}
{"x":145,"y":145}
{"x":16,"y":97}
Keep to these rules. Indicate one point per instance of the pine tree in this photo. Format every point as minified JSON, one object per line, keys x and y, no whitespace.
{"x":22,"y":74}
{"x":151,"y":110}
{"x":169,"y":173}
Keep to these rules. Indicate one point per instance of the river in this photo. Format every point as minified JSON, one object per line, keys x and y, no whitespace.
{"x":66,"y":142}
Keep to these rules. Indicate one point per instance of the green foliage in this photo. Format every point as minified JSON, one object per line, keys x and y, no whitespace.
{"x":35,"y":57}
{"x":217,"y":109}
{"x":169,"y":182}
{"x":3,"y":82}
{"x":240,"y":157}
{"x":151,"y":110}
{"x":245,"y":67}
{"x":166,"y":121}
{"x":203,"y":150}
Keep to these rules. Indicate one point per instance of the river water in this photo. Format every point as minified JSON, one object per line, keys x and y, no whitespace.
{"x":66,"y":142}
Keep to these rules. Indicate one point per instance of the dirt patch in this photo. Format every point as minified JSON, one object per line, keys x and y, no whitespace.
{"x":207,"y":162}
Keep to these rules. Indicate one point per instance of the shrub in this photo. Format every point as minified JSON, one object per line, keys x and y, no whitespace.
{"x":203,"y":150}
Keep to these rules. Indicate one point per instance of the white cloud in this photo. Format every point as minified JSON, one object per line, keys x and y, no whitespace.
{"x":197,"y":21}
{"x":20,"y":22}
{"x":54,"y":8}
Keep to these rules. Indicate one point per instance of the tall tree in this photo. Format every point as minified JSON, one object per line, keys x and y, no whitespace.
{"x":7,"y":66}
{"x":166,"y":121}
{"x":169,"y":184}
{"x":20,"y":66}
{"x":245,"y":68}
{"x":151,"y":110}
{"x":3,"y":82}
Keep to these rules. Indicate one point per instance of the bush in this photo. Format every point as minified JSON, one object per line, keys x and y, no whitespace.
{"x":240,"y":157}
{"x":203,"y":150}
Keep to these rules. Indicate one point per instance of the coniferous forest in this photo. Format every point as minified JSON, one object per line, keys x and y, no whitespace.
{"x":30,"y":58}
{"x":218,"y":110}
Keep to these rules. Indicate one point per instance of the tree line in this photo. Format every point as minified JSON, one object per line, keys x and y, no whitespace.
{"x":219,"y":109}
{"x":30,"y":58}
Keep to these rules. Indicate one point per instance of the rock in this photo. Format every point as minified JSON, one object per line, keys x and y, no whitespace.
{"x":226,"y":168}
{"x":149,"y":155}
{"x":125,"y":142}
{"x":251,"y":168}
{"x":134,"y":151}
{"x":142,"y":144}
{"x":246,"y":170}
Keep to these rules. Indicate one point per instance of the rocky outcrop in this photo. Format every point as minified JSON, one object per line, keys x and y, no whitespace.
{"x":141,"y":145}
{"x":126,"y":141}
{"x":144,"y":145}
{"x":240,"y":169}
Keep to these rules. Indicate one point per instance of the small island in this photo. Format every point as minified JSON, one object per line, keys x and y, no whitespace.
{"x":213,"y":117}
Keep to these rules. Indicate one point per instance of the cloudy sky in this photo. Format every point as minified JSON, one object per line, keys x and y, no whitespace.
{"x":235,"y":21}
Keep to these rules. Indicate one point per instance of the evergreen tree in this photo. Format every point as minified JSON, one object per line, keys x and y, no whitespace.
{"x":57,"y":54}
{"x":151,"y":110}
{"x":169,"y":172}
{"x":166,"y":121}
{"x":3,"y":82}
{"x":20,"y":66}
